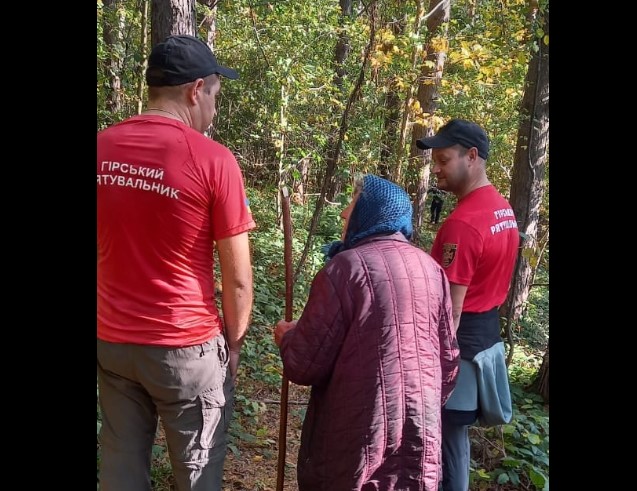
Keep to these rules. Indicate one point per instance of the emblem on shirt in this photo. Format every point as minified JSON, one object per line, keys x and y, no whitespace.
{"x":448,"y":254}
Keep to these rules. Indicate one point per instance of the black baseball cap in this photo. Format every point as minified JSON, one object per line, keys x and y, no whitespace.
{"x":458,"y":132}
{"x":180,"y":59}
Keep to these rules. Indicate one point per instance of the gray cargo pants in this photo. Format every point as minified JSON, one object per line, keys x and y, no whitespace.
{"x":190,"y":389}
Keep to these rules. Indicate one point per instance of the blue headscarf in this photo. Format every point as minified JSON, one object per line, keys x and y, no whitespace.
{"x":382,"y":207}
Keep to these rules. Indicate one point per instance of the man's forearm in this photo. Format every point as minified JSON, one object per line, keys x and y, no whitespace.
{"x":237,"y":280}
{"x":236,"y":304}
{"x":456,"y":318}
{"x":458,"y":293}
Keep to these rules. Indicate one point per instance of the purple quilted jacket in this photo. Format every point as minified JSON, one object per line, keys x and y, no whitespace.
{"x":375,"y":341}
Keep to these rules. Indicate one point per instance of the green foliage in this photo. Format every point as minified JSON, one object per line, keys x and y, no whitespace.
{"x":534,"y":322}
{"x":267,"y":253}
{"x":484,"y":76}
{"x":516,"y":453}
{"x":124,"y":57}
{"x":260,"y":357}
{"x":285,"y":106}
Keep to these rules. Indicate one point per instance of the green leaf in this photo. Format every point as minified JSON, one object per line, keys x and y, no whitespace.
{"x":538,"y":479}
{"x":158,"y":451}
{"x":483,"y":474}
{"x":503,"y":478}
{"x":234,"y":449}
{"x":508,"y":429}
{"x":534,"y":439}
{"x":509,"y":462}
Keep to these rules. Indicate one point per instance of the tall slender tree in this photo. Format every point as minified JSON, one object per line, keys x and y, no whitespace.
{"x":433,"y":65}
{"x":341,"y":52}
{"x":391,"y":121}
{"x":144,"y":48}
{"x":209,"y":21}
{"x":334,"y":151}
{"x":527,"y":184}
{"x":111,"y":34}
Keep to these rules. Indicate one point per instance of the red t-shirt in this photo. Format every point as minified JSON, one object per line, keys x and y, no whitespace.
{"x":477,"y":246}
{"x":164,"y":193}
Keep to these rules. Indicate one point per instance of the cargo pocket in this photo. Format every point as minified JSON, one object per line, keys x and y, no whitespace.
{"x":213,"y":404}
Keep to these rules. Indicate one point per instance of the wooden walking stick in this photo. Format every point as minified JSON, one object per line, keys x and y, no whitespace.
{"x":289,"y":278}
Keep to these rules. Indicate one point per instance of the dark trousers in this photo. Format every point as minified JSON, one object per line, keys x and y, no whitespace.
{"x":436,"y":208}
{"x":476,"y":332}
{"x":456,"y":455}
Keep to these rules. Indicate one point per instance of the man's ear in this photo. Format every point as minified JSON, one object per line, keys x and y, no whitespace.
{"x":473,"y":154}
{"x":194,"y":90}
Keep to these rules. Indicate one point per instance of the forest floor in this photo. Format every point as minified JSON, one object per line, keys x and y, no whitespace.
{"x":252,"y":459}
{"x":255,"y":467}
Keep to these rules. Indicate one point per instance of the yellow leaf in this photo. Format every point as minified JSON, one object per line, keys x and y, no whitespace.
{"x":454,"y":56}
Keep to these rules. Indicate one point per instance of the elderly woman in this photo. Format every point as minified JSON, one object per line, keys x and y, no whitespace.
{"x":376,"y":343}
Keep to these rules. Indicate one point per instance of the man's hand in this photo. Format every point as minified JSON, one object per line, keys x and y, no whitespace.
{"x":281,"y":328}
{"x":234,"y":364}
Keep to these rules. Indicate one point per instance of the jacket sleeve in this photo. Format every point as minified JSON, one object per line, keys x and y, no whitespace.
{"x":309,"y":351}
{"x":449,"y":350}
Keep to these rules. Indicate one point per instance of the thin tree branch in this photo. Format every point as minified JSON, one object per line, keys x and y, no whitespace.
{"x":256,"y":35}
{"x":273,"y":401}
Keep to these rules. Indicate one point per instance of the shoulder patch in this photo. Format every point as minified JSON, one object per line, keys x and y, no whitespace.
{"x":448,"y":254}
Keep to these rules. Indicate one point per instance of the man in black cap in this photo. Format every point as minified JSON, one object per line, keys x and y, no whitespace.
{"x":477,"y":246}
{"x":165,"y":194}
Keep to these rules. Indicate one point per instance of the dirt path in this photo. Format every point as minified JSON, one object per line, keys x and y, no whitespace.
{"x":255,"y":467}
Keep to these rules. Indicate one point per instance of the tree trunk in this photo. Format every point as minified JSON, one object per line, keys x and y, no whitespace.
{"x":389,"y":136}
{"x":409,"y":98}
{"x":391,"y":122}
{"x":541,"y":382}
{"x":341,"y":52}
{"x":527,"y":185}
{"x":171,"y":17}
{"x":342,"y":45}
{"x":111,"y":36}
{"x":426,"y":96}
{"x":209,"y":21}
{"x":144,"y":63}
